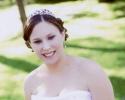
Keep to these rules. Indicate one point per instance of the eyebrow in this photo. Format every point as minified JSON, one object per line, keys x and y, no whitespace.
{"x":36,"y":39}
{"x":49,"y":34}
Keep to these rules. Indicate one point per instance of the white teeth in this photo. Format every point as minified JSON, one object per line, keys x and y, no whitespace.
{"x":49,"y":54}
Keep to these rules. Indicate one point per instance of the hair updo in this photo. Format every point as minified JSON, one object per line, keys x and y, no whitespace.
{"x":37,"y":18}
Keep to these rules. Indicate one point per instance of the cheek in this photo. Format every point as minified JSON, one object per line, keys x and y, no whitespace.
{"x":55,"y":44}
{"x":35,"y":48}
{"x":58,"y":43}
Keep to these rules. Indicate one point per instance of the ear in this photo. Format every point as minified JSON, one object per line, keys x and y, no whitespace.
{"x":28,"y":44}
{"x":63,"y":35}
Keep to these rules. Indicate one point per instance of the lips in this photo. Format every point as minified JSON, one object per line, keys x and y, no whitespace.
{"x":49,"y":54}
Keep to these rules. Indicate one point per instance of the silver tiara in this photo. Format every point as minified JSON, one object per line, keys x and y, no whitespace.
{"x":41,"y":12}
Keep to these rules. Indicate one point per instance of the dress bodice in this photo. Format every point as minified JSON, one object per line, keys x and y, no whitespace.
{"x":73,"y":95}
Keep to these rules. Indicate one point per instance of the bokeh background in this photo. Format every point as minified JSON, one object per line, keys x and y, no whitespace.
{"x":96,"y":30}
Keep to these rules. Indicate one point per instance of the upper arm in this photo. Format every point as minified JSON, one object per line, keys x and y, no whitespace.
{"x":30,"y":83}
{"x":99,"y":84}
{"x":27,"y":88}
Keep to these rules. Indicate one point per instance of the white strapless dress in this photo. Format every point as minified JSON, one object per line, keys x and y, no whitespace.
{"x":73,"y":95}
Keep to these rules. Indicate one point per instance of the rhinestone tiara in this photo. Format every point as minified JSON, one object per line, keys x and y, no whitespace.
{"x":41,"y":12}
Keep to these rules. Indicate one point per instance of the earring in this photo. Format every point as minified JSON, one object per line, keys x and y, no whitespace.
{"x":65,"y":45}
{"x":32,"y":50}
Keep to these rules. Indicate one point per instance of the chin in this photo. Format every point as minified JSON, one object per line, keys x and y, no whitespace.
{"x":52,"y":61}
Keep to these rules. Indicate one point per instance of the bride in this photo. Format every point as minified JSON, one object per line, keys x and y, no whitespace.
{"x":61,"y":76}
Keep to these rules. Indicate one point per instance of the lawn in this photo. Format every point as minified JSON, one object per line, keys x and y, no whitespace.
{"x":93,"y":34}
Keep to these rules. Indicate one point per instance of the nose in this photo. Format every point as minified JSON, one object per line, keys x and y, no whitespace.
{"x":45,"y":46}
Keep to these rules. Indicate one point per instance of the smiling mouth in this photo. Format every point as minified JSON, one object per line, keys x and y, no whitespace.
{"x":49,"y":54}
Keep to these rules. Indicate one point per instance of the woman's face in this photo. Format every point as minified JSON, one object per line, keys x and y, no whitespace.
{"x":47,"y":42}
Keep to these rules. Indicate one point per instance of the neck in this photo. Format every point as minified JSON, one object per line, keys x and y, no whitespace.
{"x":59,"y":66}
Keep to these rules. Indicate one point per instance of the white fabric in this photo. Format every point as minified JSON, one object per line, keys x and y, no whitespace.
{"x":74,"y":95}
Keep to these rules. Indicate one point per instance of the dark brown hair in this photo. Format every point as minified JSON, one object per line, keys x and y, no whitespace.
{"x":30,"y":24}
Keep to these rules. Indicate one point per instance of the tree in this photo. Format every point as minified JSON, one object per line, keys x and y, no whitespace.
{"x":21,"y":11}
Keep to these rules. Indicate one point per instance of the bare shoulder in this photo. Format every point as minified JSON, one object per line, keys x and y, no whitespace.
{"x":92,"y":70}
{"x":89,"y":66}
{"x":97,"y":80}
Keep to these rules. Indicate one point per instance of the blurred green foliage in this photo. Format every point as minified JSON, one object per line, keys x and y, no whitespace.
{"x":109,"y":51}
{"x":6,"y":3}
{"x":108,"y":1}
{"x":118,"y":9}
{"x":47,"y":1}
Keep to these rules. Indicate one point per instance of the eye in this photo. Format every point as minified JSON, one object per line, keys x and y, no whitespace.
{"x":51,"y":37}
{"x":37,"y":41}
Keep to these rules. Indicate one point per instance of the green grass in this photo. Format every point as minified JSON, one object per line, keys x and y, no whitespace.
{"x":16,"y":61}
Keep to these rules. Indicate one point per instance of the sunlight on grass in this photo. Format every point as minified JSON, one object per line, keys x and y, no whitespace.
{"x":100,"y":32}
{"x":114,"y":72}
{"x":11,"y":83}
